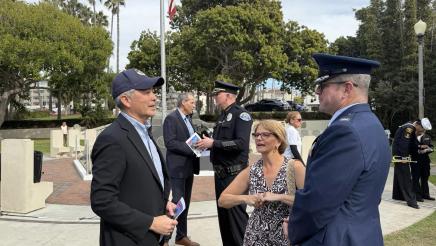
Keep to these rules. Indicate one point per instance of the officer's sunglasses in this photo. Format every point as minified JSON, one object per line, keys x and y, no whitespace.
{"x":319,"y":88}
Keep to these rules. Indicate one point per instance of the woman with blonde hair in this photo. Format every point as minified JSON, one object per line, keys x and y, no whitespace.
{"x":293,"y":122}
{"x":271,"y":183}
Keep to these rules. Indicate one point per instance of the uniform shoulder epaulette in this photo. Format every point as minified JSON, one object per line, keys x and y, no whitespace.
{"x":347,"y":117}
{"x":237,"y":106}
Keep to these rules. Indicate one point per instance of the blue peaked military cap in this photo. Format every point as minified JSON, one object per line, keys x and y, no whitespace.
{"x":331,"y":66}
{"x":221,"y":86}
{"x":133,"y":79}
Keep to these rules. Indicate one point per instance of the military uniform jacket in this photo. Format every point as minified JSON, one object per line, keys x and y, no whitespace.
{"x":346,"y":173}
{"x":405,"y":142}
{"x":425,"y":140}
{"x":231,"y":136}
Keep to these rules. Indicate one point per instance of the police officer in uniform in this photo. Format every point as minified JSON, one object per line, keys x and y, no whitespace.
{"x":229,"y":155}
{"x":421,"y":169}
{"x":404,"y":149}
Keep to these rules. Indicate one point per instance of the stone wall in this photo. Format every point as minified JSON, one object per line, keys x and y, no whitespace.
{"x":33,"y":133}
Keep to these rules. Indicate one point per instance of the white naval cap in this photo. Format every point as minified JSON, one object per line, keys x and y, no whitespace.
{"x":425,"y":123}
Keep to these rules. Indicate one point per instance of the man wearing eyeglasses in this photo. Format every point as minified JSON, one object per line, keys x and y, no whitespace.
{"x":348,"y":164}
{"x":229,"y":155}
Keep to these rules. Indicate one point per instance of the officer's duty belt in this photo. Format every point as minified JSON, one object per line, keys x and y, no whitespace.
{"x":224,"y":172}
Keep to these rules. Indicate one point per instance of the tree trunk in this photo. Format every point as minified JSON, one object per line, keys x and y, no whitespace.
{"x":112,"y":30}
{"x":50,"y":102}
{"x":4,"y":102}
{"x":118,"y":38}
{"x":59,"y":105}
{"x":95,"y":15}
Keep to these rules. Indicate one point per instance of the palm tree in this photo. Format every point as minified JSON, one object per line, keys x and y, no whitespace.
{"x":101,"y":19}
{"x":114,"y":6}
{"x":92,"y":2}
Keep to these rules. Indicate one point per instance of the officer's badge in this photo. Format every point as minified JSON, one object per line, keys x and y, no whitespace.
{"x":408,"y":132}
{"x":245,"y":116}
{"x":229,"y":117}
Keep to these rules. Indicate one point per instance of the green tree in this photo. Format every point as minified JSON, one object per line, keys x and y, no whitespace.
{"x":346,"y":46}
{"x":33,"y":46}
{"x":240,"y":43}
{"x":114,"y":7}
{"x":94,"y":17}
{"x":300,"y":43}
{"x":145,"y":54}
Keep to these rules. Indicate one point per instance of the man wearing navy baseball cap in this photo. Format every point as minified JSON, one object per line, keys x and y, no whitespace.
{"x":348,"y":164}
{"x":130,"y":185}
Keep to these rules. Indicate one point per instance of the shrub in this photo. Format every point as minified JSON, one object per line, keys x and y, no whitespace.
{"x":277,"y":115}
{"x":25,"y":124}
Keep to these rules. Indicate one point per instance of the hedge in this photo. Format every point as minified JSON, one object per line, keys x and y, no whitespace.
{"x":26,"y":124}
{"x":277,"y":115}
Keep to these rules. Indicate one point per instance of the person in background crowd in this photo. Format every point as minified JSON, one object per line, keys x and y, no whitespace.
{"x":271,"y":183}
{"x":425,"y":147}
{"x":348,"y":165}
{"x":404,"y":149}
{"x":293,"y":122}
{"x":229,"y":148}
{"x":64,"y":129}
{"x":130,"y":185}
{"x":181,"y":160}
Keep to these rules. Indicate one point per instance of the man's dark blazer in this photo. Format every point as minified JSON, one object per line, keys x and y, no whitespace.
{"x":126,"y":191}
{"x":181,"y":161}
{"x":345,"y":177}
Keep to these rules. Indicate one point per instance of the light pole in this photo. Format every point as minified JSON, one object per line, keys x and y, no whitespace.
{"x":420,"y":27}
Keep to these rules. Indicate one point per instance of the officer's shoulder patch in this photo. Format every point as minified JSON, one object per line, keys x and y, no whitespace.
{"x":408,"y":132}
{"x":245,"y":116}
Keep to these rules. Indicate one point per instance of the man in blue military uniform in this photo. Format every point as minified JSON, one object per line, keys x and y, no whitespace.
{"x":229,"y":155}
{"x":348,"y":165}
{"x":404,"y":149}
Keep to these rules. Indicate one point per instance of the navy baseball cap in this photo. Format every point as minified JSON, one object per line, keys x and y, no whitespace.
{"x":331,"y":66}
{"x":133,"y":79}
{"x":221,"y":86}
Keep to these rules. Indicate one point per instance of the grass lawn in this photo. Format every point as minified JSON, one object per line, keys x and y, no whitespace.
{"x":42,"y":145}
{"x":54,"y":117}
{"x":421,"y":233}
{"x":433,"y":157}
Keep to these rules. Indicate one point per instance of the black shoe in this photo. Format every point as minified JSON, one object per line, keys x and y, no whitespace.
{"x":429,"y":198}
{"x":413,"y":205}
{"x":419,"y":199}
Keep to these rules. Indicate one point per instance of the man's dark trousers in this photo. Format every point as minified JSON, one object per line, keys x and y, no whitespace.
{"x":415,"y":169}
{"x":232,"y":220}
{"x":182,"y":187}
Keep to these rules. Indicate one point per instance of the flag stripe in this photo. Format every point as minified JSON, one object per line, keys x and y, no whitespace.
{"x":171,"y":9}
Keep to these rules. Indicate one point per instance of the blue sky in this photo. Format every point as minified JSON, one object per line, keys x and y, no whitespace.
{"x":334,"y":18}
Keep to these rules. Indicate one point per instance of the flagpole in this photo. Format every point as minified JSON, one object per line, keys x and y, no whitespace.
{"x":162,"y":59}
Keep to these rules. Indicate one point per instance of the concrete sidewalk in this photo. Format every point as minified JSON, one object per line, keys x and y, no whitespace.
{"x":78,"y":225}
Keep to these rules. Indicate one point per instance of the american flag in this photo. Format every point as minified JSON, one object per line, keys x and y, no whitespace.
{"x":171,"y":9}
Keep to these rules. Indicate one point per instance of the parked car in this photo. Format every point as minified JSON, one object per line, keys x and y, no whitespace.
{"x":268,"y":105}
{"x":296,"y":106}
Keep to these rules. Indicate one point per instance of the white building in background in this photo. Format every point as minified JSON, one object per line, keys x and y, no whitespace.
{"x":39,"y":98}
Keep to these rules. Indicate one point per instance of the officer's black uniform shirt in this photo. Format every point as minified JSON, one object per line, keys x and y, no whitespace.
{"x":231,"y":137}
{"x":405,"y":142}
